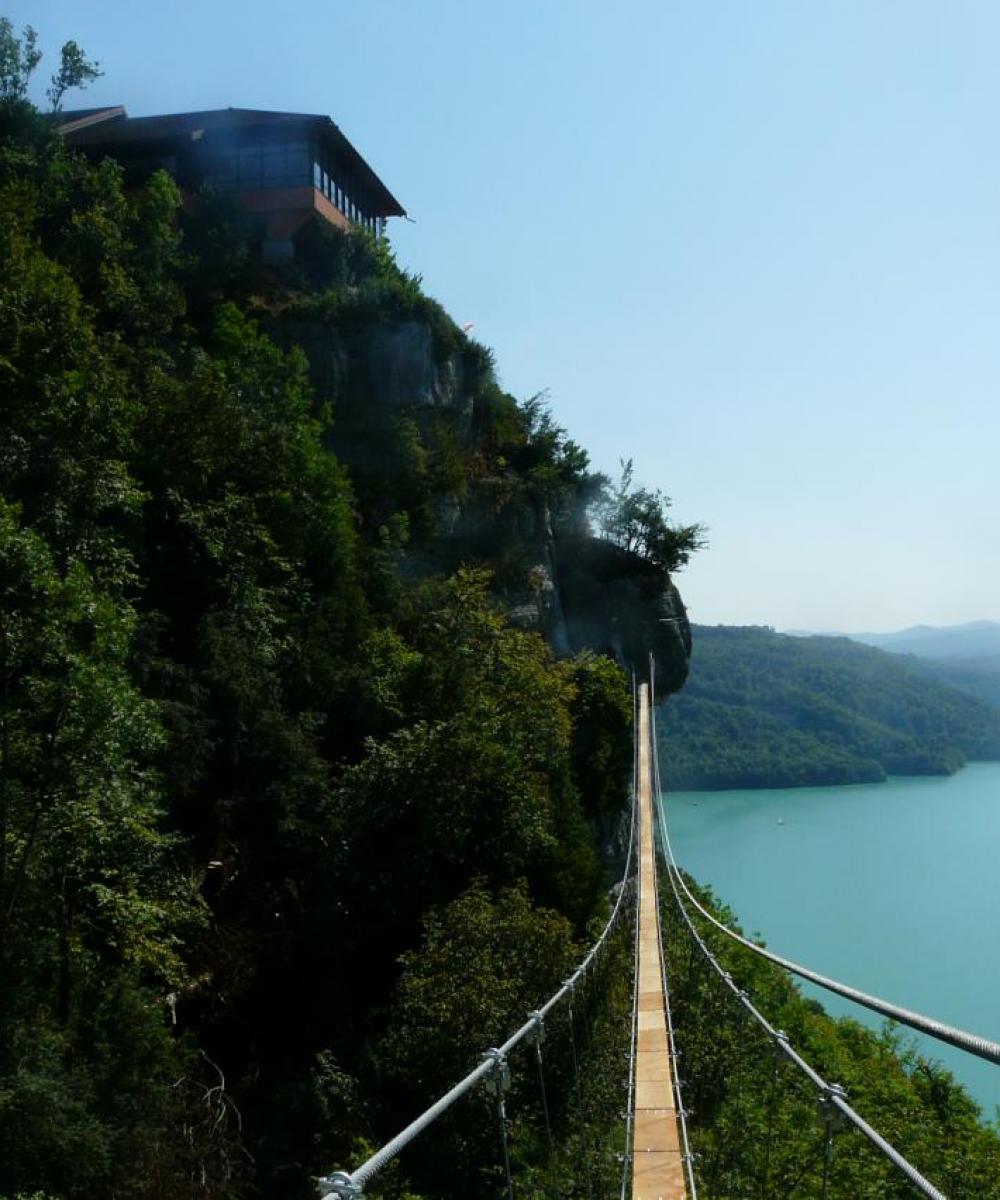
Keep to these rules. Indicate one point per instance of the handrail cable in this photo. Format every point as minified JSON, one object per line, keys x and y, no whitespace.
{"x":971,"y":1043}
{"x":350,"y":1184}
{"x":834,"y":1094}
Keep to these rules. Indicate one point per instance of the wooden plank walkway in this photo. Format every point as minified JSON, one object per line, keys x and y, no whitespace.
{"x":657,"y":1166}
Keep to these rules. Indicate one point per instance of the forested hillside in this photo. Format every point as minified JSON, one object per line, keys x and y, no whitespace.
{"x":308,"y":657}
{"x":978,"y":677}
{"x":762,"y":709}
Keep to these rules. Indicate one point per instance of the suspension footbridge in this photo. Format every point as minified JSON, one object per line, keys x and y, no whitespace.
{"x":658,"y":1162}
{"x":653,"y":1149}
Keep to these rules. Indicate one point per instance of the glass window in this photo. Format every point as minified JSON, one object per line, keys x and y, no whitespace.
{"x":272,"y":166}
{"x":249,"y":167}
{"x":297,"y":164}
{"x":223,"y":170}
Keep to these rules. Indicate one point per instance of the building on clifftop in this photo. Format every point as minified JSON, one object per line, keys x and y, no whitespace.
{"x":287,"y":171}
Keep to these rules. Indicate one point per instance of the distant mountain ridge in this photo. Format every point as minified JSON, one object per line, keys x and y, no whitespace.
{"x":971,"y":640}
{"x":974,"y":640}
{"x":765,"y":709}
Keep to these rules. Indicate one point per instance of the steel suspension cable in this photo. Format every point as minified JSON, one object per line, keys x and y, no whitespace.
{"x":772,"y":1097}
{"x":538,"y":1038}
{"x":834,"y":1095}
{"x":497,"y":1084}
{"x":584,"y":1141}
{"x":627,"y":1156}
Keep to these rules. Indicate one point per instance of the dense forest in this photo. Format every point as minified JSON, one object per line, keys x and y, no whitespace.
{"x":979,"y":678}
{"x":762,"y":709}
{"x":306,"y":665}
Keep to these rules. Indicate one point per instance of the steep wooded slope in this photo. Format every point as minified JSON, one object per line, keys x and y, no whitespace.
{"x":762,"y":709}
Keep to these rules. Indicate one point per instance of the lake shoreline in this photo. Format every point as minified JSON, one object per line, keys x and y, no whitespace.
{"x":687,"y":786}
{"x":870,"y":884}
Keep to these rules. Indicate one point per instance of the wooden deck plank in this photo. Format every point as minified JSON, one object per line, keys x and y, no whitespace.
{"x":658,"y":1176}
{"x":657,"y":1166}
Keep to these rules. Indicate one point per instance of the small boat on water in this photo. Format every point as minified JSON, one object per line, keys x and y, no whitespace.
{"x":781,"y":820}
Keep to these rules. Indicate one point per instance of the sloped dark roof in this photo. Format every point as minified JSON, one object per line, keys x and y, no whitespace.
{"x":89,"y":132}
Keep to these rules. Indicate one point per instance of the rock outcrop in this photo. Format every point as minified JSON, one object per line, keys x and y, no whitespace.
{"x":580,"y":591}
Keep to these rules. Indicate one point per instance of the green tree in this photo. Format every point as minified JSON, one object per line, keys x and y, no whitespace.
{"x":75,"y":71}
{"x":20,"y":56}
{"x":635,"y":519}
{"x":94,"y":906}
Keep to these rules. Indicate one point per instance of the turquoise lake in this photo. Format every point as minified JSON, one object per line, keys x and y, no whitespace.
{"x":892,"y":887}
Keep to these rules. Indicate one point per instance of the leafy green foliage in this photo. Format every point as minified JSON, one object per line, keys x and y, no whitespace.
{"x":601,"y":742}
{"x":635,"y":519}
{"x":75,"y":71}
{"x":483,"y":963}
{"x":19,"y":56}
{"x":765,"y":710}
{"x":93,"y":906}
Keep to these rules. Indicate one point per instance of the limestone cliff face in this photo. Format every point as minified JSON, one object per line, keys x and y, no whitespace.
{"x":380,"y":368}
{"x":402,"y":369}
{"x":580,"y":591}
{"x":589,"y":594}
{"x":615,"y":601}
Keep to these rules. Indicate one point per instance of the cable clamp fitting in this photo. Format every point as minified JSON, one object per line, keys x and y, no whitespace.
{"x":338,"y":1184}
{"x":830,"y":1114}
{"x":498,"y":1080}
{"x":537,"y":1034}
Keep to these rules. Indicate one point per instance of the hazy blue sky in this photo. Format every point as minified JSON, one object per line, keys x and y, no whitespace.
{"x":754,"y":245}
